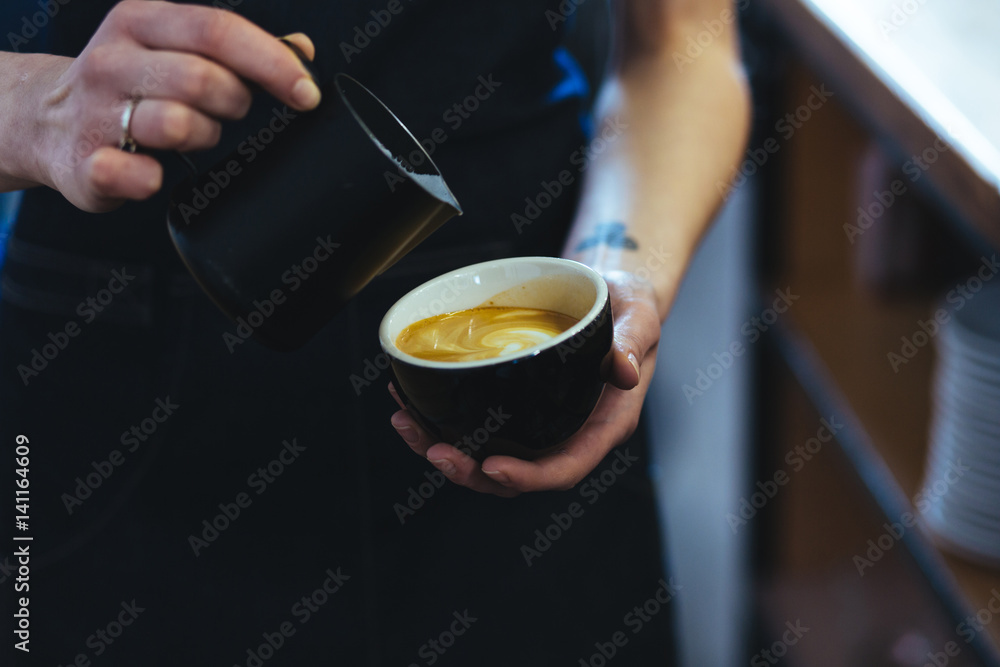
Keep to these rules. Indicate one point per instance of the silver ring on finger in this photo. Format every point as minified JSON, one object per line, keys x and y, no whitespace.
{"x":127,"y":143}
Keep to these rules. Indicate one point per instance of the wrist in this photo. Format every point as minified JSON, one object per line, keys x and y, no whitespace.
{"x":652,"y":274}
{"x":27,"y":127}
{"x":653,"y":254}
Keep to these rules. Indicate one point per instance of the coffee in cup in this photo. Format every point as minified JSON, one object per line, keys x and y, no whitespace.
{"x":482,"y":333}
{"x":533,"y":389}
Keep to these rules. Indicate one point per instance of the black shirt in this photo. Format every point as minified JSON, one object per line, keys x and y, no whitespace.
{"x":273,"y":517}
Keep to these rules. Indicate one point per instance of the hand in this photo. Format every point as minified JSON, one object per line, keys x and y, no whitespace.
{"x":186,"y":63}
{"x":637,"y":334}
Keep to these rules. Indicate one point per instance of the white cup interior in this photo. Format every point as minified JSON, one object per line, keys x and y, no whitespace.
{"x":549,"y":283}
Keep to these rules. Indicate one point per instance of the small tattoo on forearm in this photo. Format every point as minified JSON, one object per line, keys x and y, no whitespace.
{"x":611,"y":234}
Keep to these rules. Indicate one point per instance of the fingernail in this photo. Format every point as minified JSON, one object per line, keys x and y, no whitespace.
{"x":287,"y":39}
{"x":445,"y":466}
{"x":306,"y":94}
{"x":497,"y":476}
{"x":635,"y":364}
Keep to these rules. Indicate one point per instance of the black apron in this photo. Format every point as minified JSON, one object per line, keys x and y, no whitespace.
{"x":193,"y":502}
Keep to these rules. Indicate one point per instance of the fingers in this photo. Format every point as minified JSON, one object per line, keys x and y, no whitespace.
{"x":557,"y":472}
{"x":456,"y":465}
{"x":171,"y":125}
{"x":566,"y":467}
{"x":189,"y":66}
{"x":623,"y":370}
{"x":395,"y":396}
{"x":225,"y":37}
{"x":637,"y":331}
{"x":465,"y":471}
{"x":302,"y":41}
{"x":183,"y":77}
{"x":613,"y":421}
{"x":112,"y":176}
{"x":411,"y":433}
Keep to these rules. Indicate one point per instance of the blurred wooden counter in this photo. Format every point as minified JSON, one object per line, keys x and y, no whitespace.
{"x":905,"y":73}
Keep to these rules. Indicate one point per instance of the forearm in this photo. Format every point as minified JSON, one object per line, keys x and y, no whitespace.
{"x":670,"y":135}
{"x":25,"y":80}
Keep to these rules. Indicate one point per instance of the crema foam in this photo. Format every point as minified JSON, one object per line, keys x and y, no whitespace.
{"x":481,"y":333}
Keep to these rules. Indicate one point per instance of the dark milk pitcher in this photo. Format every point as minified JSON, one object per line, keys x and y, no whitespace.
{"x":281,"y":242}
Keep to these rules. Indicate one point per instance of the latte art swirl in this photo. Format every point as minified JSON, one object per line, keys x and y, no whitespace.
{"x":481,"y":333}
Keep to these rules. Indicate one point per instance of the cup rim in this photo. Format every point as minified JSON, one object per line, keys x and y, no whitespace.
{"x":600,"y":300}
{"x":339,"y":80}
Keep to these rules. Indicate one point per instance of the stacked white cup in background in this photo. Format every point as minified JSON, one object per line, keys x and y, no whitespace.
{"x":962,"y":476}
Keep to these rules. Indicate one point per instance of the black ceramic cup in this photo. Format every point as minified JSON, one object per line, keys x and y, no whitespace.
{"x":521,"y":404}
{"x":283,"y":232}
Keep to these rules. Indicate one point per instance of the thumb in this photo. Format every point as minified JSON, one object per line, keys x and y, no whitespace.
{"x":624,"y":363}
{"x":637,"y":333}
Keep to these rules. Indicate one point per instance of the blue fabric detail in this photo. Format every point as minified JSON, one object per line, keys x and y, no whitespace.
{"x":573,"y":85}
{"x":9,"y":203}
